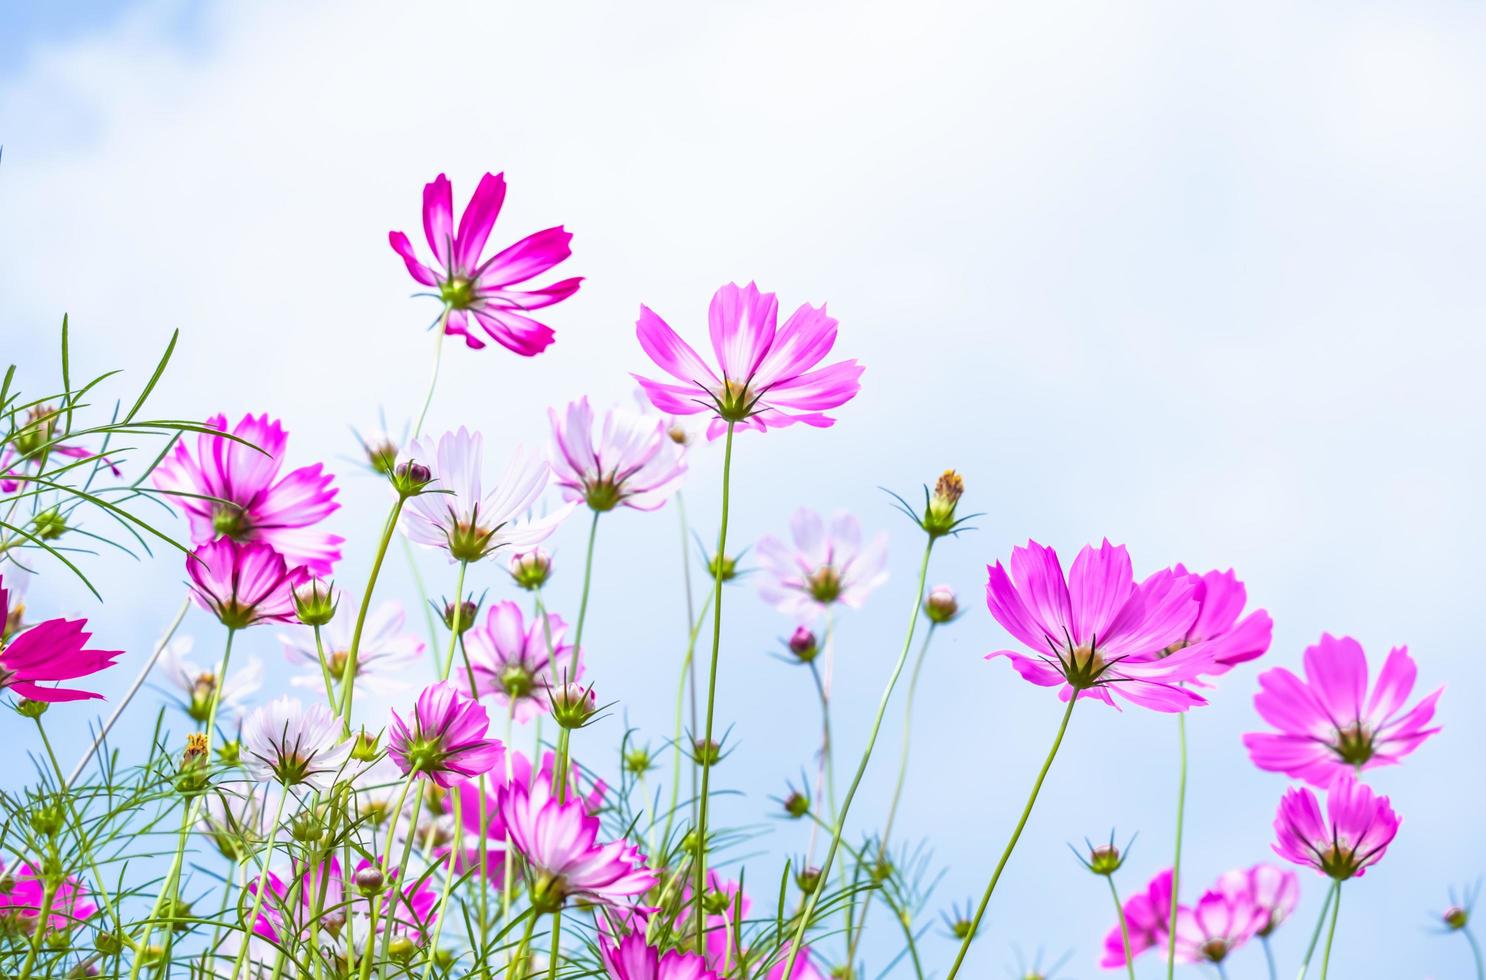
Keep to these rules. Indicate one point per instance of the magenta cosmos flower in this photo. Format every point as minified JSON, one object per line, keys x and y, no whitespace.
{"x":51,"y":651}
{"x":447,"y":739}
{"x":1328,"y":724}
{"x":632,"y":959}
{"x":823,"y":564}
{"x":485,"y":290}
{"x":1222,"y":631}
{"x":559,"y":842}
{"x":1097,"y":633}
{"x":243,"y":584}
{"x":233,"y":489}
{"x":1217,"y":925}
{"x":1353,"y":835}
{"x":1147,"y":918}
{"x":288,"y":910}
{"x":513,"y":660}
{"x":27,"y":893}
{"x":1275,"y":890}
{"x":767,"y":376}
{"x":632,"y":460}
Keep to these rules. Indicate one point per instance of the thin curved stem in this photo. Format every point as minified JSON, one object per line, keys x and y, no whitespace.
{"x":892,"y":810}
{"x":686,"y":671}
{"x":1176,"y":865}
{"x":433,"y":381}
{"x":856,"y":781}
{"x":1310,"y":950}
{"x":1476,"y":953}
{"x":438,"y":929}
{"x":1124,"y":927}
{"x":49,"y":895}
{"x":593,"y":531}
{"x":700,"y":888}
{"x":1011,"y":845}
{"x":273,"y":835}
{"x":348,"y":676}
{"x":1268,"y":957}
{"x":1336,"y":908}
{"x":454,"y":623}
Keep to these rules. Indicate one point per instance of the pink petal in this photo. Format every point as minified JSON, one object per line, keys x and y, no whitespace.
{"x":478,"y":218}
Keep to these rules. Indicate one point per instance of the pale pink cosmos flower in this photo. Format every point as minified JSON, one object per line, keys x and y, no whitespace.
{"x":515,"y":661}
{"x":559,"y":842}
{"x":523,"y":772}
{"x":632,"y":959}
{"x":1352,"y":836}
{"x":243,"y":584}
{"x":27,"y":893}
{"x":54,"y":650}
{"x":456,"y":515}
{"x":1275,"y":890}
{"x":294,"y":744}
{"x":252,"y":502}
{"x":447,"y":738}
{"x":824,"y":563}
{"x":485,"y":289}
{"x":195,"y":687}
{"x":1147,"y":918}
{"x":631,"y":461}
{"x":1328,"y":724}
{"x":1217,"y":925}
{"x":383,"y":660}
{"x":768,"y":377}
{"x":1218,"y":629}
{"x":1096,"y":632}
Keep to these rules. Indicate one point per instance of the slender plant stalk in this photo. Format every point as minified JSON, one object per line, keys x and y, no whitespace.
{"x":433,"y":381}
{"x":1310,"y":950}
{"x":397,"y":879}
{"x":686,"y":671}
{"x":325,"y":672}
{"x":1336,"y":908}
{"x":700,"y":880}
{"x":1269,"y":958}
{"x":77,"y":825}
{"x":856,"y":781}
{"x":273,"y":834}
{"x":49,"y":895}
{"x":438,"y":929}
{"x":1015,"y":836}
{"x":454,"y":624}
{"x":1124,"y":926}
{"x":1176,"y":864}
{"x":593,"y":530}
{"x":522,"y":948}
{"x":1476,"y":954}
{"x":560,"y":766}
{"x":348,"y":676}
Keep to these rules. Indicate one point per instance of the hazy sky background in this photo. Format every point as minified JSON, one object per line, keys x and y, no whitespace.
{"x":1205,"y":279}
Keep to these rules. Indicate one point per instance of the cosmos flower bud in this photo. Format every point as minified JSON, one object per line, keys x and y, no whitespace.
{"x":531,"y":569}
{"x":808,"y":879}
{"x":315,"y":602}
{"x":573,"y":705}
{"x":940,"y":605}
{"x":402,"y":949}
{"x":1105,"y":859}
{"x":939,"y":513}
{"x":46,"y":820}
{"x":306,"y":828}
{"x":638,"y":761}
{"x":803,"y":645}
{"x":410,"y":477}
{"x":727,"y":564}
{"x":230,"y":752}
{"x":107,"y":943}
{"x":30,"y":708}
{"x":49,"y":525}
{"x":467,"y":611}
{"x":705,"y":752}
{"x":1455,"y":918}
{"x":715,"y":902}
{"x":191,"y":778}
{"x":367,"y":748}
{"x":369,"y":880}
{"x":797,"y":804}
{"x":381,"y":453}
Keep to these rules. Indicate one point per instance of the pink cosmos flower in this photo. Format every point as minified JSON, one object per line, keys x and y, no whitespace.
{"x":484,"y":290}
{"x":243,"y":584}
{"x":513,"y":660}
{"x":493,"y":832}
{"x":768,"y":376}
{"x":1097,"y":633}
{"x":630,"y":461}
{"x":559,"y":842}
{"x":1275,"y":890}
{"x":23,"y":900}
{"x":455,"y":515}
{"x":1147,"y":918}
{"x":1220,"y":598}
{"x":47,"y":652}
{"x":386,"y":654}
{"x":632,"y":959}
{"x":826,"y":563}
{"x":414,"y":914}
{"x":1354,"y":834}
{"x":1328,"y":724}
{"x":251,"y":501}
{"x":447,"y":738}
{"x":291,"y":743}
{"x":523,"y":772}
{"x":1217,"y":925}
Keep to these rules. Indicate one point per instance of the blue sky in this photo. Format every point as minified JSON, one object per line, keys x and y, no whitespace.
{"x":1204,"y":280}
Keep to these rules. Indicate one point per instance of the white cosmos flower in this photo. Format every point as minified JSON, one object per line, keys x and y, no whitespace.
{"x":194,"y":684}
{"x":291,"y":744}
{"x":454,"y":514}
{"x":823,"y":564}
{"x":381,"y":662}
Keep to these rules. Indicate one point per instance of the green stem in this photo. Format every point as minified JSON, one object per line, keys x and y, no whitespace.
{"x":325,"y":673}
{"x":840,"y":821}
{"x":1124,"y":926}
{"x":454,"y":622}
{"x":396,"y":881}
{"x":1476,"y":953}
{"x":438,"y":929}
{"x":1310,"y":950}
{"x":348,"y":676}
{"x":522,"y":948}
{"x":77,"y":826}
{"x":273,"y":834}
{"x":1268,"y":957}
{"x":700,"y":888}
{"x":1176,"y":865}
{"x":433,"y":381}
{"x":49,"y":894}
{"x":593,"y":529}
{"x":892,"y":810}
{"x":686,"y":668}
{"x":1336,"y":908}
{"x":1015,"y":836}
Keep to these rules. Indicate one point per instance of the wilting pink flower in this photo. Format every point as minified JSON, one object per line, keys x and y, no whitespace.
{"x":243,"y":584}
{"x":383,"y":659}
{"x":49,"y":651}
{"x":560,"y":844}
{"x":453,"y":513}
{"x":1275,"y":890}
{"x":515,"y":661}
{"x":1217,"y":925}
{"x":768,"y":377}
{"x":23,"y":900}
{"x":1218,"y":630}
{"x":1353,"y":835}
{"x":447,"y":738}
{"x":632,"y":959}
{"x":28,"y":450}
{"x":825,"y":563}
{"x":1328,"y":724}
{"x":484,"y":290}
{"x":630,"y":461}
{"x":1097,"y":633}
{"x":292,"y":744}
{"x":1147,"y":918}
{"x":252,"y":502}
